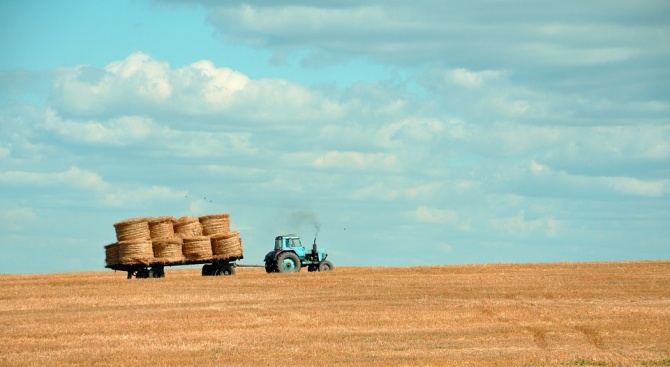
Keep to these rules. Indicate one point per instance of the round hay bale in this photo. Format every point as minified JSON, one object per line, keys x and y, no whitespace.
{"x":215,"y":224}
{"x":112,"y":254}
{"x":187,"y":227}
{"x":136,"y":252}
{"x":197,"y":248}
{"x":134,"y":229}
{"x":227,"y":246}
{"x":167,"y":250}
{"x":161,"y":227}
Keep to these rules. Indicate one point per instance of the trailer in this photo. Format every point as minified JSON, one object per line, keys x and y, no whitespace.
{"x":211,"y":267}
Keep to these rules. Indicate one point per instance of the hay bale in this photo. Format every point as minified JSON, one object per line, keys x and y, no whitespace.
{"x":161,"y":227}
{"x":135,"y":229}
{"x":112,"y":254}
{"x":215,"y":224}
{"x":136,"y":252}
{"x":187,"y":227}
{"x":227,"y":246}
{"x":167,"y":250}
{"x":197,"y":248}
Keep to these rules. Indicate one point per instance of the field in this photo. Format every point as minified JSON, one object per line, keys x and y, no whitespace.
{"x":598,"y":314}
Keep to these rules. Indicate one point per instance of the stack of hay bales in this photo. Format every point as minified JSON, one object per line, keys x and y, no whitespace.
{"x":170,"y":241}
{"x":133,"y":246}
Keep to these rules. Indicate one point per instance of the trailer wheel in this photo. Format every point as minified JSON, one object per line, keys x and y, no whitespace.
{"x":325,"y":266}
{"x":143,"y":273}
{"x":288,"y":262}
{"x":225,"y":270}
{"x":207,"y":270}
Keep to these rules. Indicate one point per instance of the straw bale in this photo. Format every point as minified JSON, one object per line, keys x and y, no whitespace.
{"x":197,"y":248}
{"x":112,"y":254}
{"x":168,"y":250}
{"x":136,"y":252}
{"x":134,"y":229}
{"x":227,"y":246}
{"x":215,"y":224}
{"x":187,"y":227}
{"x":161,"y":227}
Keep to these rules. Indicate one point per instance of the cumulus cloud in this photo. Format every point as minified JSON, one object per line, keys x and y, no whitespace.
{"x":140,"y":85}
{"x":72,"y":177}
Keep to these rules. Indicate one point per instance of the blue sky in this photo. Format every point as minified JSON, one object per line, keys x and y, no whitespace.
{"x":435,"y":132}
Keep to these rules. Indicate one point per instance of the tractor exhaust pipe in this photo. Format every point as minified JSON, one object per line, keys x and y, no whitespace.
{"x":314,"y":247}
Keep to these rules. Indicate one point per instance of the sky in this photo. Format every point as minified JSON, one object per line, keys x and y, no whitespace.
{"x":398,"y":133}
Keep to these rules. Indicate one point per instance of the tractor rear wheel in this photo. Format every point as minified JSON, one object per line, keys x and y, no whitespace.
{"x":326,"y":266}
{"x":288,"y":262}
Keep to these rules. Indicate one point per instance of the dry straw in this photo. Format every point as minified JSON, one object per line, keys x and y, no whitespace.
{"x":168,"y":250}
{"x":215,"y":224}
{"x":227,"y":246}
{"x":161,"y":227}
{"x":112,"y":254}
{"x":197,"y":248}
{"x":136,"y":252}
{"x":134,"y":229}
{"x":187,"y":227}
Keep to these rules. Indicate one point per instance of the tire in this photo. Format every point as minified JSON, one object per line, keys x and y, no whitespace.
{"x":312,"y":268}
{"x":326,"y":266}
{"x":207,"y":270}
{"x":143,"y":273}
{"x":270,"y":268}
{"x":288,"y":262}
{"x":225,"y":270}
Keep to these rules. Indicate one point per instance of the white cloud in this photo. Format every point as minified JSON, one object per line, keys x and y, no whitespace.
{"x":139,"y":85}
{"x":541,"y":179}
{"x":73,"y":177}
{"x":519,"y":226}
{"x":354,"y":160}
{"x":434,"y":215}
{"x":473,"y":79}
{"x":122,"y":130}
{"x":132,"y":197}
{"x":18,"y":218}
{"x":528,"y":34}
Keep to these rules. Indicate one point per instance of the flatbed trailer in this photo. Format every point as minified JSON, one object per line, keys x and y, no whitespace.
{"x":157,"y":269}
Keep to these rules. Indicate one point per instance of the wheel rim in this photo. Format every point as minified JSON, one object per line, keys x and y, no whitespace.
{"x":288,"y":265}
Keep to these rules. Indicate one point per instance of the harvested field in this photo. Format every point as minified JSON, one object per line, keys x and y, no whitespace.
{"x":598,"y":314}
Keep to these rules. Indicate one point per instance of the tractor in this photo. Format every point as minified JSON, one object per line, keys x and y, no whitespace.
{"x":290,"y":255}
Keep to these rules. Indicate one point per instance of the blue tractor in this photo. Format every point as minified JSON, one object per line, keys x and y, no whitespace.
{"x":290,"y":255}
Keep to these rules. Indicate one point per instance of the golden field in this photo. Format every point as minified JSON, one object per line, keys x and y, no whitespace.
{"x":598,"y":314}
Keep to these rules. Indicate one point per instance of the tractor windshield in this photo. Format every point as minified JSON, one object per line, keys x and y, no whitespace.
{"x":278,"y":246}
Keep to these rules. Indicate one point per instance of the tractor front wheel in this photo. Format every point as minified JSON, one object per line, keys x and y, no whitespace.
{"x":325,"y":266}
{"x":288,"y":262}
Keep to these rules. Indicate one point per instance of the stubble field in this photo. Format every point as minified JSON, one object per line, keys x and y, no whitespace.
{"x":601,"y":314}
